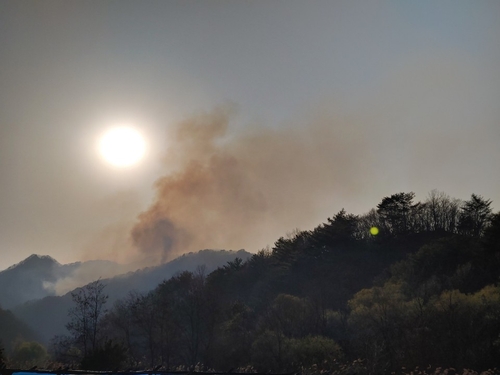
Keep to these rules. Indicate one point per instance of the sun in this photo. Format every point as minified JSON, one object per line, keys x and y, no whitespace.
{"x":122,"y":146}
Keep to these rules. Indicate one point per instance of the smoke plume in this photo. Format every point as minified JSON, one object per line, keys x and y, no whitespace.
{"x":244,"y":191}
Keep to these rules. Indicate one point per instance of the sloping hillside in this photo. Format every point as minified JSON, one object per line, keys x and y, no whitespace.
{"x":49,"y":315}
{"x":39,"y":276}
{"x":11,"y":328}
{"x":25,"y":280}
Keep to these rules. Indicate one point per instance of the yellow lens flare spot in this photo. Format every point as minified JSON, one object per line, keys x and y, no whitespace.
{"x":122,"y":146}
{"x":373,"y":231}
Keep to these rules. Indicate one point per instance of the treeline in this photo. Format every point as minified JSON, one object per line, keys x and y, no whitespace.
{"x":340,"y":298}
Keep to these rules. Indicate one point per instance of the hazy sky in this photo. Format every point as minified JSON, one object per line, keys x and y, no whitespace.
{"x":312,"y":106}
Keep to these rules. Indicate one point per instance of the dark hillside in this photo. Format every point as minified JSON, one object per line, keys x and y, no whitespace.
{"x":408,"y":284}
{"x":12,"y":329}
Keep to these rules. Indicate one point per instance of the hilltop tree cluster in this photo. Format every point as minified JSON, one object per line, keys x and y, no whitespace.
{"x":423,"y":291}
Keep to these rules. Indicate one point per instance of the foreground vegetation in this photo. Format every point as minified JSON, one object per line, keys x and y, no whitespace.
{"x":422,"y":294}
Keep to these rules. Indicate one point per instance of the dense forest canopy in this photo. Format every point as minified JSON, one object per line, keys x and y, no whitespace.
{"x":421,"y":290}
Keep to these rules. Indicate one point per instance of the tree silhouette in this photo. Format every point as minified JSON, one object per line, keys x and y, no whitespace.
{"x":86,"y":315}
{"x":474,"y":216}
{"x":395,"y":212}
{"x":338,"y":231}
{"x":442,"y":212}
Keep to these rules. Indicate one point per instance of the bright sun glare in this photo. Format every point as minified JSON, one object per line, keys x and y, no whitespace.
{"x":122,"y":146}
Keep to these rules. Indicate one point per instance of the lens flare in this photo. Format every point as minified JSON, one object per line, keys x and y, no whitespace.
{"x":374,"y":231}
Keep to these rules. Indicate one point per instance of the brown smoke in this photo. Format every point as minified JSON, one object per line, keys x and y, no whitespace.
{"x":245,"y":191}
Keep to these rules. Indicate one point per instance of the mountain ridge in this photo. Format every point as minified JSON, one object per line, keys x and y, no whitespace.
{"x":48,"y":315}
{"x":30,"y":259}
{"x":37,"y":276}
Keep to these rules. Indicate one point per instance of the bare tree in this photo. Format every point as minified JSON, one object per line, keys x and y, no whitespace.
{"x":442,"y":212}
{"x":86,"y":315}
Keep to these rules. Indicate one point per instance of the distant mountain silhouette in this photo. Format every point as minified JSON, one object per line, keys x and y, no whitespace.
{"x":49,"y":315}
{"x":36,"y":277}
{"x":25,"y":280}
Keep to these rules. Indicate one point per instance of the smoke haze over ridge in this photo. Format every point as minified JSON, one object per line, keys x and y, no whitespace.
{"x":239,"y":192}
{"x":243,"y":188}
{"x":339,"y":104}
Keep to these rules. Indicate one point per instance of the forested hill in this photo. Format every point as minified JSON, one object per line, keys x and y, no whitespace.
{"x":440,"y":244}
{"x":49,"y":315}
{"x":13,"y":329}
{"x":407,"y":284}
